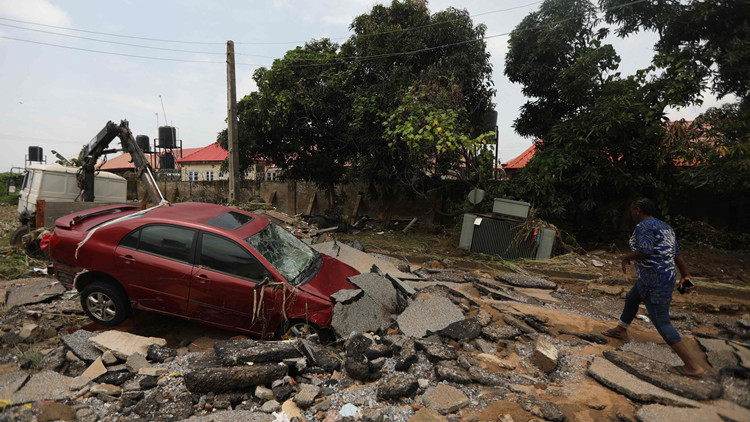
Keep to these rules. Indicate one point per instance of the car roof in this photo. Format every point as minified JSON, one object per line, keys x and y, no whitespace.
{"x":199,"y":213}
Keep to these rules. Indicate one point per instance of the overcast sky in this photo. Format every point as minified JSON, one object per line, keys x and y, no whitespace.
{"x":59,"y":98}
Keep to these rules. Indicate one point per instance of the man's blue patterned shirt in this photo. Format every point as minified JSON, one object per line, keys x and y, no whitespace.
{"x":656,"y":273}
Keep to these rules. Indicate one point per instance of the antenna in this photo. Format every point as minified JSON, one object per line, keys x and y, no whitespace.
{"x":157,"y":119}
{"x":162,"y":108}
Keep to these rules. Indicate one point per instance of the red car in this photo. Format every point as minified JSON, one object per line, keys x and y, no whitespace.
{"x":204,"y":262}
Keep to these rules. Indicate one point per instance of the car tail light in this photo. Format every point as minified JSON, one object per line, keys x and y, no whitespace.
{"x":49,"y":240}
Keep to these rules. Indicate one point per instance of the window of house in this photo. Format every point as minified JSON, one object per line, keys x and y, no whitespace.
{"x":210,"y":175}
{"x":221,"y":174}
{"x":193,"y":176}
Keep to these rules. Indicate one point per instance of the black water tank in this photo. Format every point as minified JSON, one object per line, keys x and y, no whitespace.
{"x":143,"y":143}
{"x":166,"y":161}
{"x":36,"y":154}
{"x":167,"y":136}
{"x":490,"y":121}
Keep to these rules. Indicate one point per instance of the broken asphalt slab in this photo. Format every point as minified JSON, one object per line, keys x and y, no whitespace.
{"x":379,"y":288}
{"x":241,"y":351}
{"x":705,"y":388}
{"x":444,"y":399}
{"x":361,"y":261}
{"x":79,"y":344}
{"x":47,"y":385}
{"x":35,"y":290}
{"x":615,"y":378}
{"x":123,"y":344}
{"x":499,"y":292}
{"x":660,"y":413}
{"x":718,"y":353}
{"x":347,"y":296}
{"x":653,"y":351}
{"x":522,"y":280}
{"x":432,"y":313}
{"x":362,"y":315}
{"x":206,"y":380}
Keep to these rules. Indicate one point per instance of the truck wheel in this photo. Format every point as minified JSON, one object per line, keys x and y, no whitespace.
{"x":106,"y":303}
{"x":15,"y":240}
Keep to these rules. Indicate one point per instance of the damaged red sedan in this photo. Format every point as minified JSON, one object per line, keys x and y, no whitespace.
{"x":204,"y":262}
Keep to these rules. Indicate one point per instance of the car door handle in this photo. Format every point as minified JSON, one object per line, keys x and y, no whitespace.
{"x":128,"y":259}
{"x":203,"y":279}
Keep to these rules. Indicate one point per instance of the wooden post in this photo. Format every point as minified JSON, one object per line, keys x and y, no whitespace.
{"x":234,"y":157}
{"x":40,"y":208}
{"x":311,"y":204}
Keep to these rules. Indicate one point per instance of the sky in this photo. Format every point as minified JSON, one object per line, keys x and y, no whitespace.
{"x":59,"y":98}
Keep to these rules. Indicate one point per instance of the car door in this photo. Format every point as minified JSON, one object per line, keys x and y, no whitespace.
{"x":155,"y":265}
{"x":223,"y":288}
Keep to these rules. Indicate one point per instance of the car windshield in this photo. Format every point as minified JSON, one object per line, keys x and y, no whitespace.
{"x":292,"y":258}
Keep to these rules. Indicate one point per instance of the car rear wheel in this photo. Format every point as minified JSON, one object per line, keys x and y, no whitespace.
{"x":105,"y":303}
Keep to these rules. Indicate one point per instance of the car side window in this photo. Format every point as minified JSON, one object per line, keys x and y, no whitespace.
{"x":131,"y":240}
{"x":167,"y":241}
{"x":221,"y":254}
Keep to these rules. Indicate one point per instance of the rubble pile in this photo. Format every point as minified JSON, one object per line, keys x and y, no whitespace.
{"x":427,"y":345}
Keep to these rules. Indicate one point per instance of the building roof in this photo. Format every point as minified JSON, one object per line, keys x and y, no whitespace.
{"x":521,"y":161}
{"x":211,"y":153}
{"x":123,"y":161}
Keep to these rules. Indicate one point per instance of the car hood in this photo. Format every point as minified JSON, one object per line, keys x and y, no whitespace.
{"x":331,"y":278}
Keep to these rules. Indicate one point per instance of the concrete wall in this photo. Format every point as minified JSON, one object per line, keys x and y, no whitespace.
{"x":294,"y":198}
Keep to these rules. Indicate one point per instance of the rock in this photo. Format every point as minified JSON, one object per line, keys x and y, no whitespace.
{"x":494,"y":361}
{"x":357,"y":344}
{"x":78,"y":382}
{"x":95,"y":370}
{"x":34,"y":290}
{"x":28,"y":330}
{"x":659,"y":413}
{"x":444,"y":399}
{"x":108,"y":389}
{"x":282,"y":389}
{"x":467,"y":329}
{"x":547,"y":410}
{"x":115,"y":377}
{"x":431,"y":314}
{"x":436,"y":352}
{"x":653,"y":351}
{"x":375,"y":365}
{"x":545,"y":355}
{"x":451,"y":372}
{"x":55,"y":360}
{"x":657,"y":374}
{"x":148,"y":382}
{"x":743,"y":353}
{"x":264,"y":393}
{"x":401,"y":285}
{"x":71,"y":357}
{"x":108,"y":358}
{"x":158,"y":353}
{"x":376,"y":351}
{"x":57,"y":412}
{"x":485,"y":377}
{"x":151,"y":371}
{"x":306,"y":395}
{"x":78,"y":343}
{"x":320,"y":356}
{"x":240,"y":351}
{"x":232,"y":379}
{"x":347,"y":295}
{"x":270,"y":406}
{"x":232,"y":416}
{"x":497,"y":292}
{"x":178,"y":408}
{"x":485,"y":346}
{"x":397,"y":386}
{"x":363,"y":315}
{"x":718,"y":353}
{"x":123,"y":344}
{"x":291,"y":410}
{"x":136,"y":361}
{"x":427,"y":415}
{"x":522,"y":280}
{"x":497,"y":333}
{"x":379,"y":288}
{"x":358,"y":368}
{"x":407,"y":356}
{"x":514,"y":322}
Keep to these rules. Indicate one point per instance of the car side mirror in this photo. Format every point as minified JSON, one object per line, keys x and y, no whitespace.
{"x":266,"y":280}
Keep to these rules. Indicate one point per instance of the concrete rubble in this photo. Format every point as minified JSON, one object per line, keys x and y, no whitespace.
{"x":433,"y":344}
{"x":33,"y":290}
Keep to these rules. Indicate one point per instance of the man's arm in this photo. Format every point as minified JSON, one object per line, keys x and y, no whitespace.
{"x":626,"y":258}
{"x":683,"y":270}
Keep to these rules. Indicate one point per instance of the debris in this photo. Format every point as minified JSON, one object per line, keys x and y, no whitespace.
{"x":657,"y":374}
{"x":240,"y":351}
{"x":546,"y":410}
{"x":379,"y":288}
{"x":108,"y":389}
{"x":401,"y":285}
{"x":363,"y":315}
{"x":444,"y":399}
{"x":57,"y":412}
{"x":136,"y":362}
{"x":397,"y":386}
{"x":282,"y":388}
{"x":159,"y":353}
{"x":95,"y":370}
{"x":606,"y":289}
{"x":263,"y":393}
{"x":427,"y":415}
{"x":350,"y":411}
{"x":452,"y":372}
{"x":108,"y":358}
{"x":78,"y":343}
{"x":498,"y":292}
{"x":45,"y":385}
{"x":659,"y":413}
{"x":34,"y":290}
{"x":522,"y":280}
{"x":718,"y":353}
{"x":347,"y":296}
{"x":436,"y":352}
{"x":361,"y":261}
{"x":590,"y":337}
{"x":496,"y":333}
{"x":271,"y":406}
{"x":123,"y":344}
{"x":653,"y":351}
{"x":429,"y":314}
{"x":151,"y":371}
{"x":545,"y":355}
{"x":493,"y":360}
{"x":597,"y":263}
{"x":466,"y":329}
{"x":236,"y":378}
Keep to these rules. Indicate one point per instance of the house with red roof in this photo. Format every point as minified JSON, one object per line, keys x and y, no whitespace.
{"x":204,"y":165}
{"x":520,"y":162}
{"x":123,"y":163}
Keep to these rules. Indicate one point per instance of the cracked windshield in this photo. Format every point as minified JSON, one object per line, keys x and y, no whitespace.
{"x":285,"y":252}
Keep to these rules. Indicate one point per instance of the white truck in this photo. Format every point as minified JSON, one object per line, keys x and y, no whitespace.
{"x":54,"y":183}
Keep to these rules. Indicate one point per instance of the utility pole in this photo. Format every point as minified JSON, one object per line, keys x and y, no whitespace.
{"x":234,"y":156}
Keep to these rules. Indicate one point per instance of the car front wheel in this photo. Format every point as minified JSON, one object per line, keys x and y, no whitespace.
{"x":300,"y":329}
{"x":105,"y":303}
